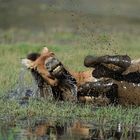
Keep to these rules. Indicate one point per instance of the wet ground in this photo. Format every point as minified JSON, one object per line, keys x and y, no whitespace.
{"x":42,"y":128}
{"x":59,"y":128}
{"x":46,"y":129}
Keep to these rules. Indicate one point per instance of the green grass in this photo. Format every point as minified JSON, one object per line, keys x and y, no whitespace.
{"x":109,"y":115}
{"x":71,"y":49}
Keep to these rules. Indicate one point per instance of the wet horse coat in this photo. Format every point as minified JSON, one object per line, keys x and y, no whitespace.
{"x":122,"y":86}
{"x":124,"y":73}
{"x":51,"y":76}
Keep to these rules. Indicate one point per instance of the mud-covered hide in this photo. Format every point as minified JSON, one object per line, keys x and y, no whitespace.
{"x":128,"y":93}
{"x":129,"y":85}
{"x":66,"y":88}
{"x":59,"y":92}
{"x":124,"y":73}
{"x":134,"y":67}
{"x":99,"y":93}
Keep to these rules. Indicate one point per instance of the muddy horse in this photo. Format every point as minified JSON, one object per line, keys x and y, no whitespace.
{"x":113,"y":79}
{"x":123,"y":73}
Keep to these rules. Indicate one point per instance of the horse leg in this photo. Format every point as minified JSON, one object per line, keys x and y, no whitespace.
{"x":104,"y":88}
{"x":123,"y":61}
{"x":108,"y":66}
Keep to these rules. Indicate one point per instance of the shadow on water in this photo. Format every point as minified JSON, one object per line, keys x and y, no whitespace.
{"x":45,"y":129}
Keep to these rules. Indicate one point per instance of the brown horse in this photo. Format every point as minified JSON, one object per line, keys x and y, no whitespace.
{"x":123,"y":72}
{"x":119,"y":83}
{"x":50,"y":73}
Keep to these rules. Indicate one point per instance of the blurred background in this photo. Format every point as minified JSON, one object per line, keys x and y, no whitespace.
{"x":112,"y":26}
{"x":41,"y":14}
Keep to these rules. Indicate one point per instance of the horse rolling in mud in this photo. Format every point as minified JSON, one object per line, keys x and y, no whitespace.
{"x":124,"y":74}
{"x":114,"y":79}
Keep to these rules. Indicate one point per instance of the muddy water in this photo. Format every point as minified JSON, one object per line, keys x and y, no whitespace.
{"x":68,"y":130}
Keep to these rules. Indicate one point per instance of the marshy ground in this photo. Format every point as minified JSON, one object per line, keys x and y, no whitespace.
{"x":71,"y":36}
{"x":68,"y":47}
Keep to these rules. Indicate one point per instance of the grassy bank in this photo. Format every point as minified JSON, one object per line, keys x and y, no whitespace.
{"x":71,"y":49}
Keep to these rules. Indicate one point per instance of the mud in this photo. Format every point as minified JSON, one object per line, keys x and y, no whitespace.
{"x":124,"y":73}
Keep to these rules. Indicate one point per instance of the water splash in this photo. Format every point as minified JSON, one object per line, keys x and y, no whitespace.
{"x":23,"y":88}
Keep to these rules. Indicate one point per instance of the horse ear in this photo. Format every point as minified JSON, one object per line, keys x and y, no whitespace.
{"x":33,"y":56}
